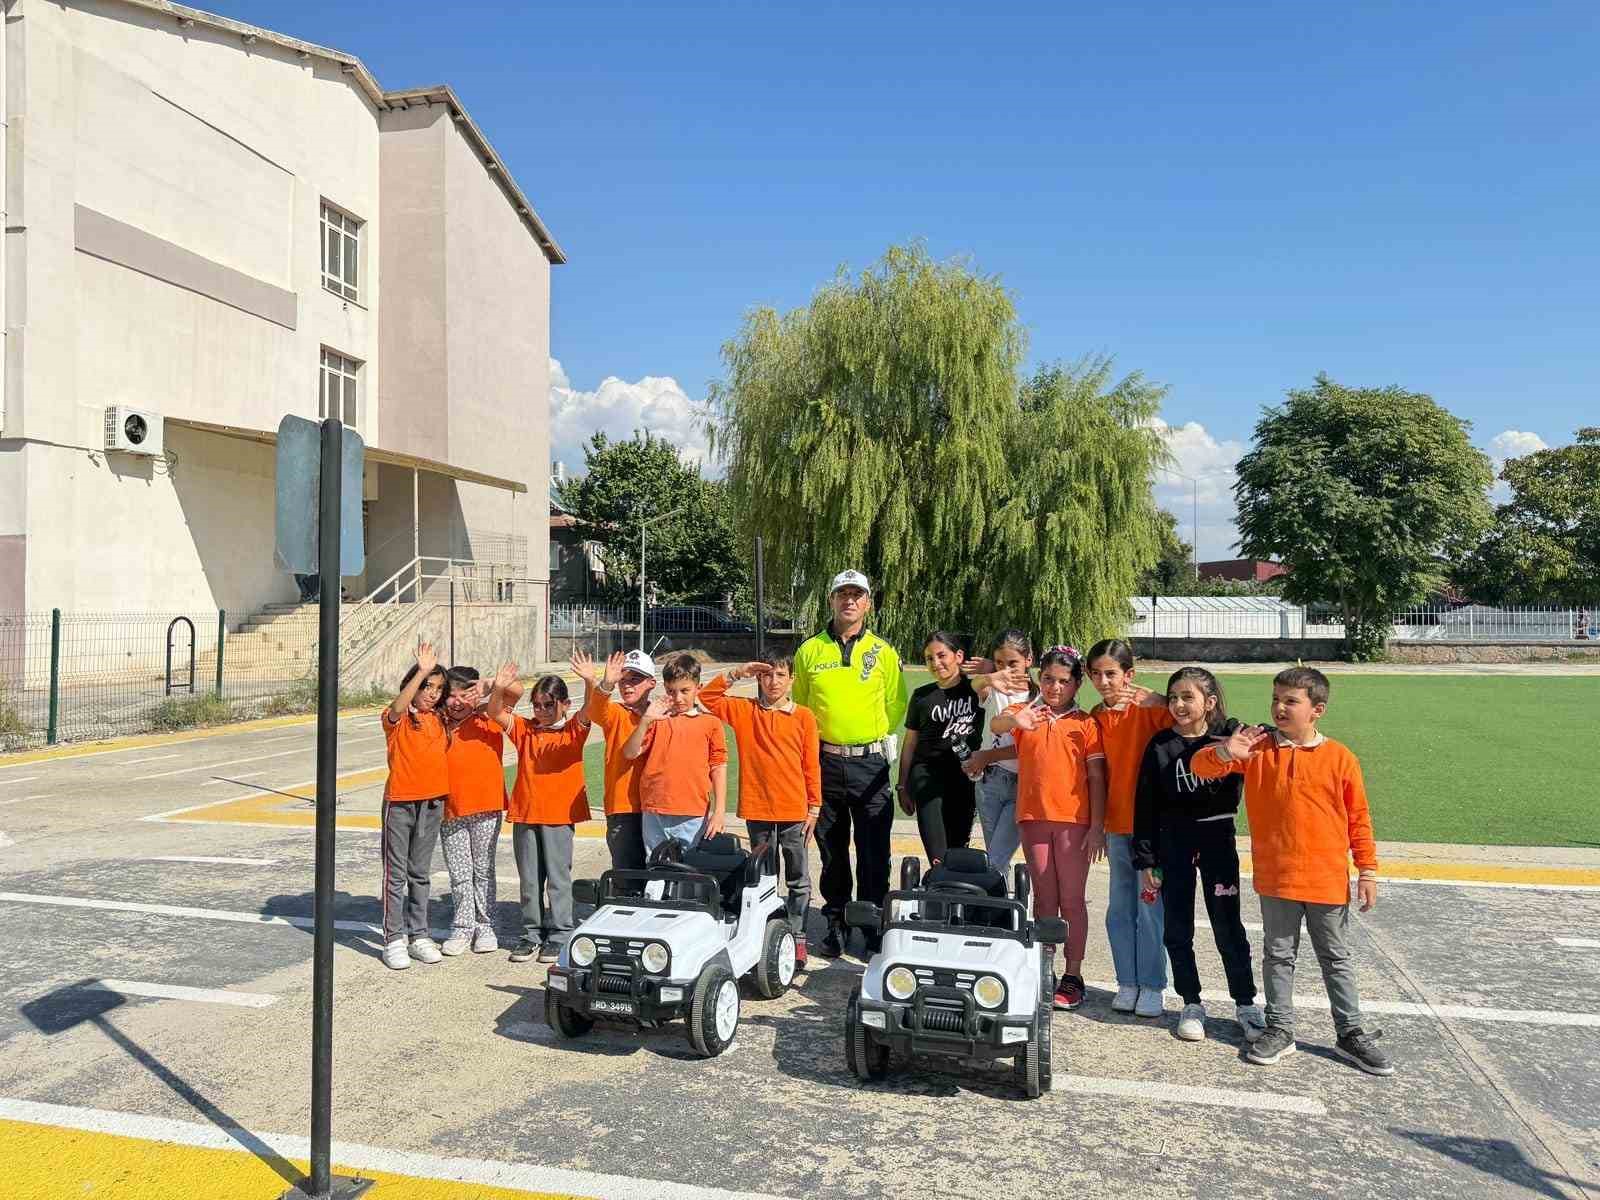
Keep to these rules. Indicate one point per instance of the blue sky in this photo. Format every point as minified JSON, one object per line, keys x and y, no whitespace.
{"x":1228,"y":198}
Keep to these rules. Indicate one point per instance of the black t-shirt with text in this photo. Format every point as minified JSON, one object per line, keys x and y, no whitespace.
{"x":946,"y":721}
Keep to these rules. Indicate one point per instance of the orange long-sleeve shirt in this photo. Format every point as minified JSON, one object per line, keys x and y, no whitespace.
{"x":617,"y":722}
{"x":1308,"y":816}
{"x":473,"y":755}
{"x":417,"y":766}
{"x":1125,"y":733}
{"x":549,"y":789}
{"x":679,"y":753}
{"x":780,"y":768}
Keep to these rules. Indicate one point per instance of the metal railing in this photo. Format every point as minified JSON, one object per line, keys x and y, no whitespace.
{"x":1482,"y":623}
{"x":1173,"y":619}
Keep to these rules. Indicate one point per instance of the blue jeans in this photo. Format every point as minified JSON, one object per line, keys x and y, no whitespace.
{"x":997,"y":809}
{"x":1133,"y":927}
{"x":658,"y":827}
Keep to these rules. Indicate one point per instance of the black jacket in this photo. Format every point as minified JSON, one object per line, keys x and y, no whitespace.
{"x":1168,"y":793}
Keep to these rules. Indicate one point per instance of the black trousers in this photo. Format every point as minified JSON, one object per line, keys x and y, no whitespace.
{"x":946,"y":804}
{"x":790,"y":837}
{"x":1208,"y":846}
{"x":625,"y":840}
{"x":855,"y":792}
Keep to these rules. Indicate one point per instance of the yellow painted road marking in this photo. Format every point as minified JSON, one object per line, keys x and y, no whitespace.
{"x":45,"y":1162}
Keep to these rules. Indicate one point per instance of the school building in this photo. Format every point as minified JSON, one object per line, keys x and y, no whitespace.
{"x":209,"y":225}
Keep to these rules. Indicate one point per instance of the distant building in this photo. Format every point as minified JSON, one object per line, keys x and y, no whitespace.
{"x":576,"y":571}
{"x":1256,"y":570}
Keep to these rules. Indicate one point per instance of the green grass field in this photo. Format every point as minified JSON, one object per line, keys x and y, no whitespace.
{"x":1493,"y":760}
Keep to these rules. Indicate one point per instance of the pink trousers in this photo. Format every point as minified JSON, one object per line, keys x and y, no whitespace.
{"x":1058,"y":862}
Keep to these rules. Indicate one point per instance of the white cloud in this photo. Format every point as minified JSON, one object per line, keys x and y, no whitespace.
{"x":617,"y":408}
{"x":1509,"y":443}
{"x":1197,"y":453}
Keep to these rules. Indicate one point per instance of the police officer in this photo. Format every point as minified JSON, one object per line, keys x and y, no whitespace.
{"x":851,"y":679}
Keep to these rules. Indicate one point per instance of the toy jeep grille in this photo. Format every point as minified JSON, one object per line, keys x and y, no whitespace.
{"x":948,"y":1020}
{"x":942,"y":977}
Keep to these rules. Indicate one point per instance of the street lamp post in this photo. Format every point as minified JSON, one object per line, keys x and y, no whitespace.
{"x":643,"y":524}
{"x":1194,"y":516}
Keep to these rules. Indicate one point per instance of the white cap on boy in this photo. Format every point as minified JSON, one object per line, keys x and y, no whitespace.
{"x":640,"y":662}
{"x":846,"y":579}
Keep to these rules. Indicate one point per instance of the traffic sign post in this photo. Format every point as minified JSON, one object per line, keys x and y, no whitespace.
{"x":318,"y":536}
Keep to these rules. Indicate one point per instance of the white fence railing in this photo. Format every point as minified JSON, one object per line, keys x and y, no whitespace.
{"x":1481,"y":623}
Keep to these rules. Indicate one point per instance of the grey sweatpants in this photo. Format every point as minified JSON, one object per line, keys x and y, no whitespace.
{"x":791,"y":838}
{"x":544,"y":864}
{"x":1329,"y":927}
{"x":469,"y":845}
{"x":410,"y":832}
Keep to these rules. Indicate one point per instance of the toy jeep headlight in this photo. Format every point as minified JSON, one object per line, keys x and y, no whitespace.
{"x":899,"y":982}
{"x":989,"y":992}
{"x":582,"y":951}
{"x":655,"y":959}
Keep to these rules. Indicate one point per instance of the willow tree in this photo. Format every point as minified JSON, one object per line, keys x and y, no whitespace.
{"x":883,"y":427}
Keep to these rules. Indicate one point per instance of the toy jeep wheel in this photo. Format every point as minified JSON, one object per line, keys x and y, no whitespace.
{"x":562,"y":1019}
{"x":775,"y":969}
{"x":714,"y":1012}
{"x":866,"y":1060}
{"x":1033,"y":1064}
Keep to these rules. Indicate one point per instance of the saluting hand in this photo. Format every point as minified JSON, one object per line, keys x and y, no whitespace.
{"x":659,"y":707}
{"x":750,"y":670}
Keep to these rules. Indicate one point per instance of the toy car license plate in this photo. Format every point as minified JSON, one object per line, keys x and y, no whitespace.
{"x":622,"y":1008}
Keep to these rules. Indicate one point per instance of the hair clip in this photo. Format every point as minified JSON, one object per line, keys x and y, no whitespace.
{"x":1070,"y":651}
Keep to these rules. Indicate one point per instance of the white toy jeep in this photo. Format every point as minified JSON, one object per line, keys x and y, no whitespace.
{"x":962,"y":973}
{"x":674,"y":940}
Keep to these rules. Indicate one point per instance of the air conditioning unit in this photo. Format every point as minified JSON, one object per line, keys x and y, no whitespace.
{"x":133,"y":430}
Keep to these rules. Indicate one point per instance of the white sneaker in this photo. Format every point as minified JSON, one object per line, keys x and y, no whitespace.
{"x":1252,"y":1021}
{"x":455,"y":944}
{"x":1150,"y":1003}
{"x":395,"y":956}
{"x":1127,"y":996}
{"x":1192,"y":1023}
{"x":484,"y":942}
{"x":425,"y":950}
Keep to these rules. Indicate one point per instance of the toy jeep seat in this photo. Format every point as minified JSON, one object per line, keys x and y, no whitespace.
{"x":964,"y":865}
{"x":722,"y":858}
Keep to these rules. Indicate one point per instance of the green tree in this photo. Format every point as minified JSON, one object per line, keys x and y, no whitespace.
{"x":1367,"y":495}
{"x":1172,"y":573}
{"x":883,"y":427}
{"x":695,"y":554}
{"x":1544,"y":545}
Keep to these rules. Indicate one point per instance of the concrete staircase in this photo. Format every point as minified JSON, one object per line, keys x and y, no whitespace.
{"x":281,"y":639}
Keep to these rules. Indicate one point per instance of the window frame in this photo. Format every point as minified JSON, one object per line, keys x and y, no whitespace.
{"x":335,"y":364}
{"x":338,"y":226}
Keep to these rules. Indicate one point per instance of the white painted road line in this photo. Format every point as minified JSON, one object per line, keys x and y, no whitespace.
{"x":232,"y":779}
{"x":222,"y":766}
{"x":1253,"y":926}
{"x":348,"y":1155}
{"x":1175,"y":1093}
{"x":1408,"y":1008}
{"x":194,"y":914}
{"x":221,"y":862}
{"x":168,"y":991}
{"x":20,"y":799}
{"x":21,"y":779}
{"x":1590,"y":888}
{"x":1579,"y":943}
{"x":152,"y":758}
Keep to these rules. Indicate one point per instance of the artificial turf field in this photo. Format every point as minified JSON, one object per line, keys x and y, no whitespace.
{"x":1479,"y":760}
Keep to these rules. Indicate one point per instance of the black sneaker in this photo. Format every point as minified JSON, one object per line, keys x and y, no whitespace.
{"x":833,"y":942}
{"x":1275,"y":1044}
{"x":549,"y":952}
{"x":1361,"y":1048}
{"x":525,"y":950}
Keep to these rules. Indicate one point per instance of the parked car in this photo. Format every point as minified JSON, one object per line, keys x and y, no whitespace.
{"x":692,"y":618}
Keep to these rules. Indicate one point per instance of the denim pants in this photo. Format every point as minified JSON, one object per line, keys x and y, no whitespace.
{"x":1133,"y":927}
{"x":658,"y":827}
{"x":997,"y":810}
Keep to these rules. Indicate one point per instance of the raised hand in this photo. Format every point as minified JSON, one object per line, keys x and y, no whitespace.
{"x":583,"y":666}
{"x":506,"y":676}
{"x":750,"y":670}
{"x":427,"y":659}
{"x":977,"y":666}
{"x":1243,"y":742}
{"x":659,"y":707}
{"x":1027,"y":717}
{"x":613,"y":670}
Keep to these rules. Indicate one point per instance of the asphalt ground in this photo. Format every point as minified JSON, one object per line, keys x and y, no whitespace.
{"x":162,"y":866}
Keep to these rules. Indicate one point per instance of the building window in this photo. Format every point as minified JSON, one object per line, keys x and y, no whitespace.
{"x":341,"y":388}
{"x":341,"y":252}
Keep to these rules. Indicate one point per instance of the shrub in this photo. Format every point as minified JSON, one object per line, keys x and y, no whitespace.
{"x":188,"y":712}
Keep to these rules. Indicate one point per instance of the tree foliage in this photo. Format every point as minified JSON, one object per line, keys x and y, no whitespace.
{"x":1544,"y":545}
{"x":1172,"y":574}
{"x":1366,"y":494}
{"x":883,"y":427}
{"x":692,"y":555}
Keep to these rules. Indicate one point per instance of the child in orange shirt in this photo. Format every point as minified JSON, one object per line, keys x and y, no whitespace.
{"x":685,"y":761}
{"x":1308,"y":817}
{"x":1129,"y":717}
{"x":413,"y":803}
{"x":475,"y":753}
{"x":780,"y":770}
{"x":1061,"y":802}
{"x":548,"y":800}
{"x":632,"y":676}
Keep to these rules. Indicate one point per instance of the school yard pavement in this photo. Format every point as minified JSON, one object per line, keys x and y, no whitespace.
{"x":155,"y":1012}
